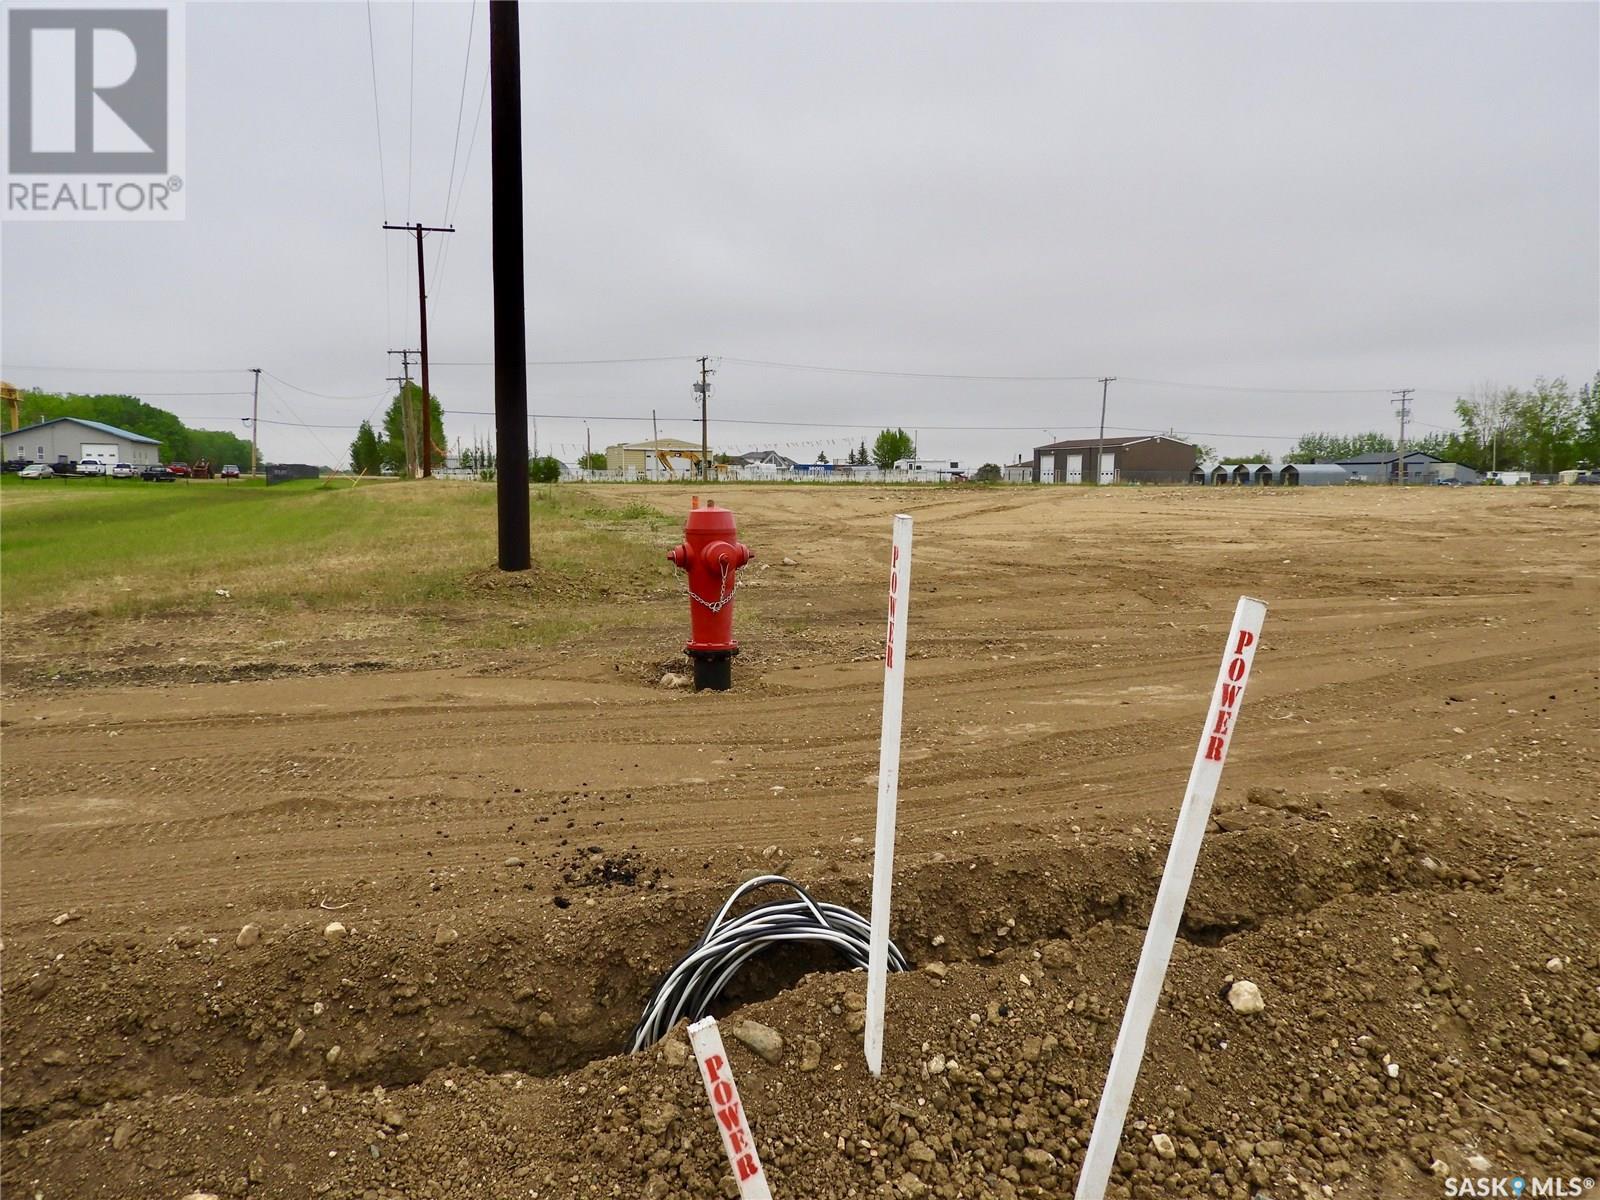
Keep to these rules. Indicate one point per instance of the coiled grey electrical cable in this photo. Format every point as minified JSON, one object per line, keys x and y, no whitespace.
{"x":726,"y":944}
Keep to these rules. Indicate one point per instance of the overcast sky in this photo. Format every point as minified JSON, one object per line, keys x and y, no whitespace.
{"x":1300,"y":199}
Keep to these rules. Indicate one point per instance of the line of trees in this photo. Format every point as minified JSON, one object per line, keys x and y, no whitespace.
{"x":179,"y":443}
{"x":1545,"y":428}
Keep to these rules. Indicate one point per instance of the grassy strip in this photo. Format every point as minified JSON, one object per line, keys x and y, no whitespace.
{"x":117,"y":548}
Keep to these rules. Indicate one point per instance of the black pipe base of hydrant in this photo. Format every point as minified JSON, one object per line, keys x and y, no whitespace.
{"x":713,"y":669}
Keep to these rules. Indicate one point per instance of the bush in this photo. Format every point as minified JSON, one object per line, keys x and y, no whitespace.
{"x":988,"y":473}
{"x":544,"y":469}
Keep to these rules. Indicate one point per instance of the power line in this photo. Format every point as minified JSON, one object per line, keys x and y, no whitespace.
{"x":788,"y":366}
{"x":577,"y":362}
{"x":461,"y":105}
{"x":442,"y":258}
{"x":133,"y":370}
{"x":324,"y":395}
{"x":411,"y":107}
{"x":377,"y":118}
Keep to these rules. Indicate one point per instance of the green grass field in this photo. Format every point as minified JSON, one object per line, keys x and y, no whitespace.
{"x":122,"y":548}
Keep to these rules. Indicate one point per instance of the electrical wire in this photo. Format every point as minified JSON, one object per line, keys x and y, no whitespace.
{"x":461,"y":106}
{"x":787,"y":366}
{"x":383,"y":182}
{"x":322,"y":395}
{"x":692,"y":986}
{"x":411,"y":104}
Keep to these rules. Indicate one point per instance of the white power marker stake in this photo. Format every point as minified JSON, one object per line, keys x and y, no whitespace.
{"x":717,"y":1074}
{"x":1237,"y":656}
{"x":894,"y":690}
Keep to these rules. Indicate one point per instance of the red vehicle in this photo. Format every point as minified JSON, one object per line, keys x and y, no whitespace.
{"x":178,"y":468}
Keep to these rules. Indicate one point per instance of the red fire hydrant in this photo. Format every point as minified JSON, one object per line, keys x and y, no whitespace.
{"x":712,"y":555}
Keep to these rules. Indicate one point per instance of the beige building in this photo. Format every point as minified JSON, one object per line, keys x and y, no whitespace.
{"x":644,"y":458}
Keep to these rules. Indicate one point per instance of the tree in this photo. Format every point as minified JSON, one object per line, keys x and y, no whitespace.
{"x":822,"y":456}
{"x":366,"y":457}
{"x":1205,"y":454}
{"x":544,"y":469}
{"x":988,"y":473}
{"x":393,"y":446}
{"x":178,"y":441}
{"x":890,"y":447}
{"x":594,"y":461}
{"x":1331,"y":447}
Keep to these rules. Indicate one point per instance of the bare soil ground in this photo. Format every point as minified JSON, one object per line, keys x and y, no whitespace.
{"x":520,"y":840}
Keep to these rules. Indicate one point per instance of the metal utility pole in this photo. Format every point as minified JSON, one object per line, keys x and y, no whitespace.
{"x":652,"y":462}
{"x":422,"y":311}
{"x":255,"y":412}
{"x":510,"y":318}
{"x":1405,"y":411}
{"x":1100,"y":446}
{"x":703,"y":388}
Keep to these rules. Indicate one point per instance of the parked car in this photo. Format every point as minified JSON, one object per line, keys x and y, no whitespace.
{"x":1448,"y":482}
{"x":229,"y":471}
{"x":89,"y":467}
{"x":178,"y":468}
{"x":123,"y":471}
{"x":157,"y":474}
{"x":1590,"y":477}
{"x":36,"y":471}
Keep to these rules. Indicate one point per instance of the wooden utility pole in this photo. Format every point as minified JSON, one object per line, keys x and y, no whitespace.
{"x":1100,"y":446}
{"x":255,"y":413}
{"x":422,"y":313}
{"x":510,"y":318}
{"x":408,"y":421}
{"x":1405,"y":411}
{"x":703,"y":388}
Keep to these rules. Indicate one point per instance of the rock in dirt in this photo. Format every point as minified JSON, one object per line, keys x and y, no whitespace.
{"x":248,"y":936}
{"x":673,"y":680}
{"x":63,"y":918}
{"x":1555,"y":965}
{"x":763,"y":1039}
{"x":655,"y":1120}
{"x":513,"y":861}
{"x":1479,"y":1163}
{"x":789,"y":562}
{"x":810,"y":1055}
{"x":334,"y":930}
{"x":674,"y":1053}
{"x":122,"y":1135}
{"x":1245,"y":997}
{"x":1162,"y":1145}
{"x":444,"y":935}
{"x":1056,"y":954}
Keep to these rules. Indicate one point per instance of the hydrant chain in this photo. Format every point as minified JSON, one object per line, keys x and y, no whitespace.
{"x":724,"y":593}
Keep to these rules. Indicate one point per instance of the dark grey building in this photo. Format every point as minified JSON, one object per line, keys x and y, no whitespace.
{"x":1144,"y":459}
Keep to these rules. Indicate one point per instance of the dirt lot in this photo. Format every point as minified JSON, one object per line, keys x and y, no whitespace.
{"x":520,"y":840}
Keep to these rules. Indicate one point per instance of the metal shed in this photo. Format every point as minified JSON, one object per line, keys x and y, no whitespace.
{"x":1199,"y":475}
{"x":1223,"y":472}
{"x":1312,"y":474}
{"x":1249,"y":472}
{"x":1264,"y":475}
